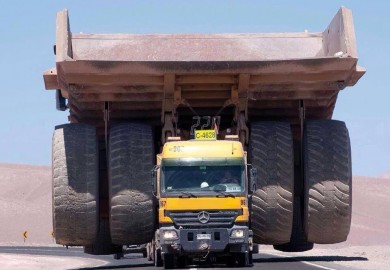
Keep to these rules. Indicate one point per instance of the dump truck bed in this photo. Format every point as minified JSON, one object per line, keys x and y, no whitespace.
{"x":269,"y":76}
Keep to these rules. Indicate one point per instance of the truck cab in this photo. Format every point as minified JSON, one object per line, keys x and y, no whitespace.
{"x":202,"y":192}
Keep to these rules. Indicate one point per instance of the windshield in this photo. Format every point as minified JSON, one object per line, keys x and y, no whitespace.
{"x":190,"y":180}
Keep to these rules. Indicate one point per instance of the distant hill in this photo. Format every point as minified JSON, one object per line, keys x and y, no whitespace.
{"x":385,"y":175}
{"x":370,"y":211}
{"x":25,"y":205}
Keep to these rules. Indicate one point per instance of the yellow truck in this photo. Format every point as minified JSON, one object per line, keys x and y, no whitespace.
{"x":193,"y":105}
{"x":202,"y":192}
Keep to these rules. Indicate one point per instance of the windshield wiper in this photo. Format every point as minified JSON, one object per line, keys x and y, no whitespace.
{"x":224,"y":194}
{"x":186,"y":195}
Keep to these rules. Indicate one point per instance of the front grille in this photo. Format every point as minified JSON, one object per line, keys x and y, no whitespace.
{"x":217,"y":218}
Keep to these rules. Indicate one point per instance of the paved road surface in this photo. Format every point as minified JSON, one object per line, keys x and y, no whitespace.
{"x":265,"y":261}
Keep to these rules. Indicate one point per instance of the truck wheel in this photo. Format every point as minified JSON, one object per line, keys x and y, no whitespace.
{"x":328,"y":181}
{"x":103,"y":244}
{"x":243,"y":259}
{"x":158,"y":262}
{"x":298,"y":242}
{"x":271,"y":153}
{"x":131,"y":155}
{"x":75,"y":184}
{"x":118,"y":256}
{"x":181,"y":262}
{"x":169,"y":261}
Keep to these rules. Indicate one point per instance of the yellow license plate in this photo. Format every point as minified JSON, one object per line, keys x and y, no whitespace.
{"x":205,"y":134}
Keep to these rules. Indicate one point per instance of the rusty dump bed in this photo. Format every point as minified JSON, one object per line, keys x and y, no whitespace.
{"x":264,"y":76}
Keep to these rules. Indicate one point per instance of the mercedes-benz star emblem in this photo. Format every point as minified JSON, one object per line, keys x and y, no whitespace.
{"x":203,"y":217}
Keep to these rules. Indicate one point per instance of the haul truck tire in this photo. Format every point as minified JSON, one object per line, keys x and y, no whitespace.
{"x":103,"y":244}
{"x":328,"y":181}
{"x":75,"y":184}
{"x":271,"y":153}
{"x":131,"y":156}
{"x":298,"y":242}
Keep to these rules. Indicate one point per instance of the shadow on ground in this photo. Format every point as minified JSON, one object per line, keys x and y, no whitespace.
{"x":126,"y":266}
{"x":256,"y":260}
{"x":310,"y":259}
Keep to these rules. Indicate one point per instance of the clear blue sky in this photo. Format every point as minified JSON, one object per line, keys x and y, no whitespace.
{"x":27,"y":31}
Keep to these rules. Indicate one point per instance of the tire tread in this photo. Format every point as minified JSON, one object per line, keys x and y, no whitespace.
{"x":271,"y":153}
{"x":131,"y":157}
{"x":328,"y":181}
{"x":75,"y":184}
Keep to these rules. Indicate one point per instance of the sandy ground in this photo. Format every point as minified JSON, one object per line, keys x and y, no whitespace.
{"x":355,"y":257}
{"x":370,"y":212}
{"x":29,"y":262}
{"x":25,"y":205}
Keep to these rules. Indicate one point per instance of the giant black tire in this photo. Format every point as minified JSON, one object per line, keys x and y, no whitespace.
{"x":75,"y":184}
{"x":103,"y":244}
{"x":271,"y":153}
{"x":298,"y":242}
{"x":328,"y":181}
{"x":131,"y":156}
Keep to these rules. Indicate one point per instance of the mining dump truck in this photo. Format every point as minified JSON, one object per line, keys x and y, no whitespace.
{"x":158,"y":121}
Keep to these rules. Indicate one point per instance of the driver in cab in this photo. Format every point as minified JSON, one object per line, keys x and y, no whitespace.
{"x":229,"y":178}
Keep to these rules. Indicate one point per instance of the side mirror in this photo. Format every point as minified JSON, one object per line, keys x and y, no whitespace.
{"x":252,"y":179}
{"x":154,"y":179}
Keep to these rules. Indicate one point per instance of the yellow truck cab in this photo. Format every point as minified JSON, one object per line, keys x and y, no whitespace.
{"x":202,"y":190}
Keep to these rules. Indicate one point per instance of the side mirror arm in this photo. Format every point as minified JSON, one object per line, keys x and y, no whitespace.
{"x":154,"y":179}
{"x":252,"y":179}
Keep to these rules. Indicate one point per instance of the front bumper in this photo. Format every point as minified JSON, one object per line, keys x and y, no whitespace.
{"x":191,"y":240}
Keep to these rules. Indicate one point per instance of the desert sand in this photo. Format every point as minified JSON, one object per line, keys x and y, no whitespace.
{"x":25,"y":205}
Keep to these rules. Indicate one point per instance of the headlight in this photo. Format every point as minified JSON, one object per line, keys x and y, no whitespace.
{"x":169,"y":235}
{"x":237,"y":233}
